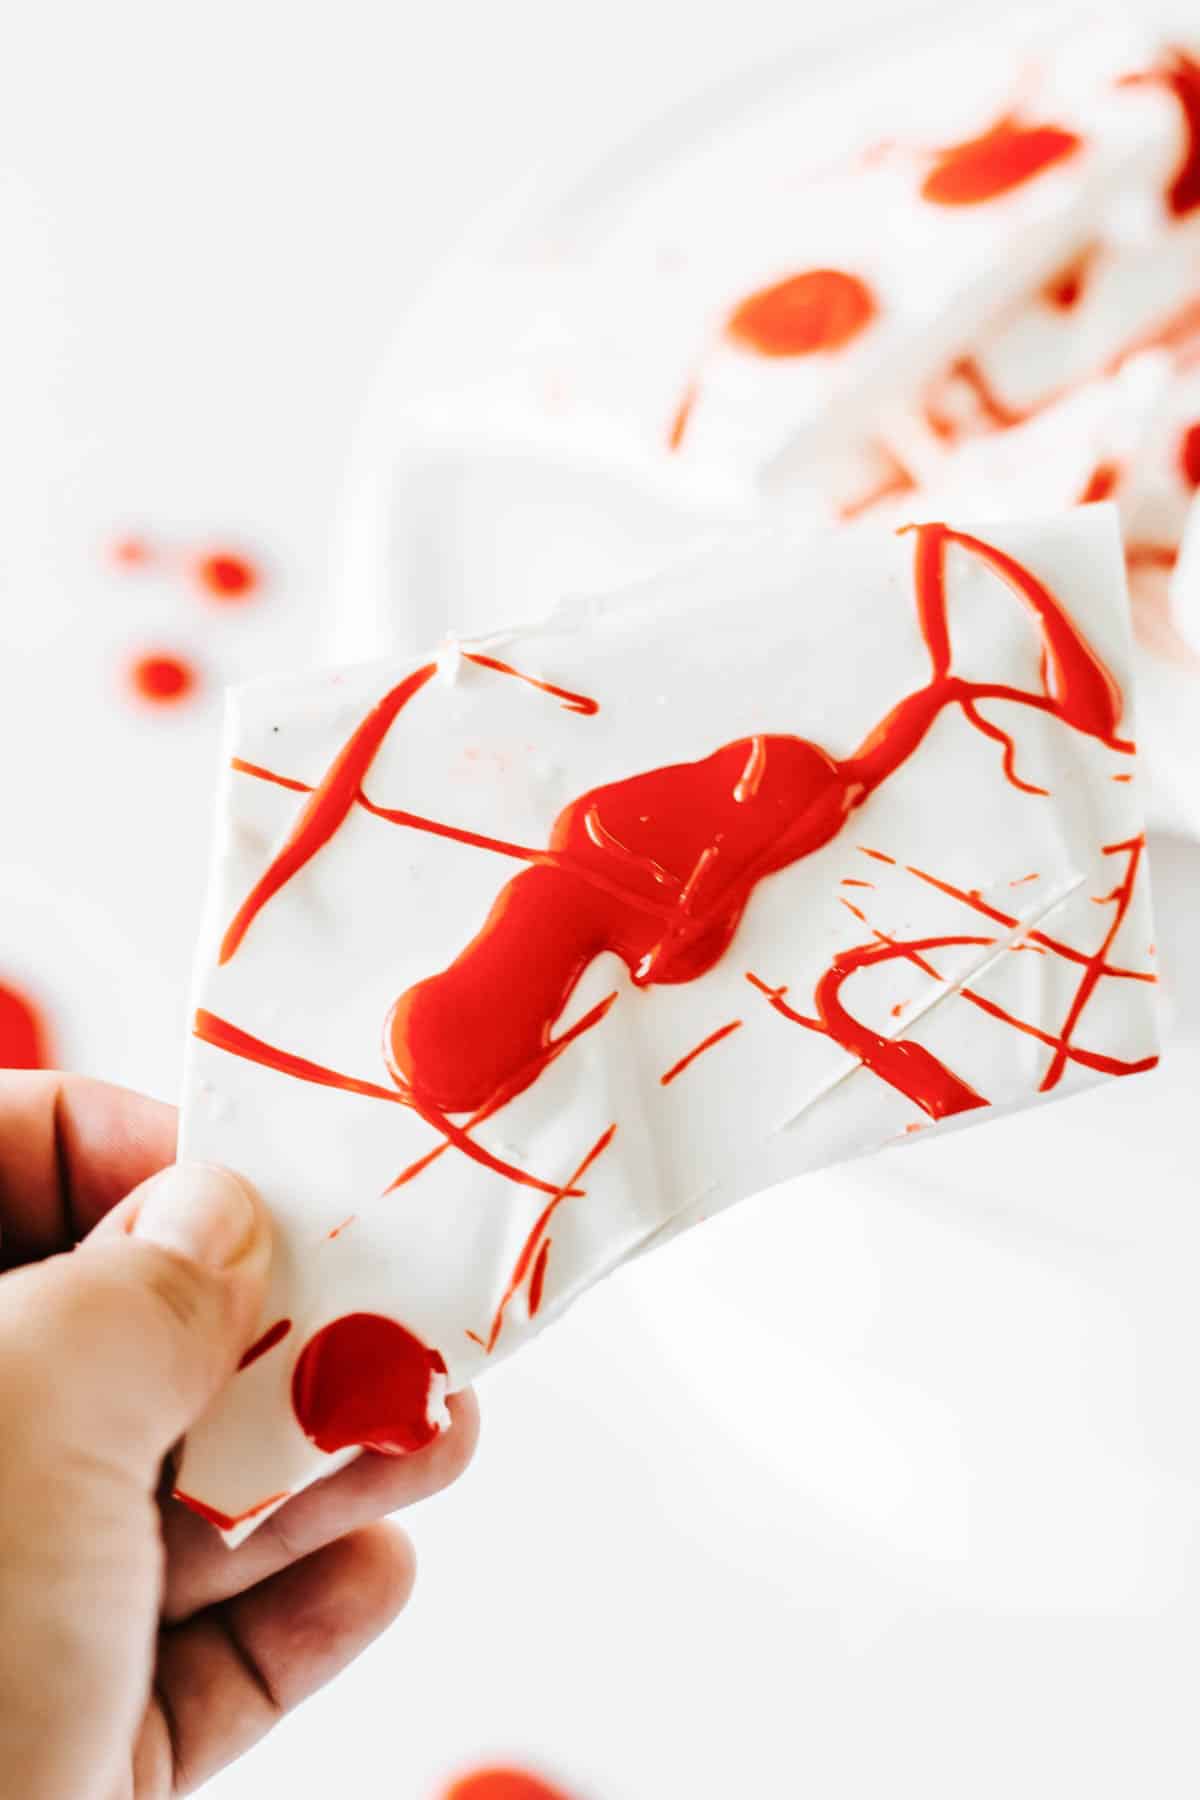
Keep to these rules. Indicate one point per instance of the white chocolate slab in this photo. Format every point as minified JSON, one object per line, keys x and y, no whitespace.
{"x":550,"y":452}
{"x":1031,"y":907}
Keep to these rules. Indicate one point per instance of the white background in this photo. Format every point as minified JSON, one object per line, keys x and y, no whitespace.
{"x":886,"y":1485}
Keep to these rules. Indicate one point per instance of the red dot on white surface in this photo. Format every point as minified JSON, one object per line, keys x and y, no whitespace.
{"x":162,"y":678}
{"x":226,"y":575}
{"x":132,"y":552}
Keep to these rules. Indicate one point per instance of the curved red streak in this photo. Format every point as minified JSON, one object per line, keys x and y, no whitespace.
{"x":236,"y":1042}
{"x":1001,"y":736}
{"x":576,"y":703}
{"x":328,"y":804}
{"x":910,"y":1068}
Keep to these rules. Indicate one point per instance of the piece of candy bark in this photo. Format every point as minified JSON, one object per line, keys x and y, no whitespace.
{"x":524,"y":956}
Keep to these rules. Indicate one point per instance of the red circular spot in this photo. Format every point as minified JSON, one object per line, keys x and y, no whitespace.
{"x":365,"y":1380}
{"x":24,"y":1040}
{"x":227,"y":576}
{"x":502,"y":1784}
{"x":163,"y":679}
{"x":1189,"y":455}
{"x":822,"y":309}
{"x":1001,"y":159}
{"x":131,"y":552}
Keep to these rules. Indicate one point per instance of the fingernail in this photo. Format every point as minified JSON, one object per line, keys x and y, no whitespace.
{"x":199,"y":1211}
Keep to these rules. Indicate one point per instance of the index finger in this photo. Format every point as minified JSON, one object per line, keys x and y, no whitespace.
{"x":70,"y":1149}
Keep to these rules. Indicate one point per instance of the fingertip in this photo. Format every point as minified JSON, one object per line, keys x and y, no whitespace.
{"x":383,"y":1565}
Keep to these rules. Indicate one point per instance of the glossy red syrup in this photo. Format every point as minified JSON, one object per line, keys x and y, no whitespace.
{"x":24,"y":1036}
{"x":1002,"y":158}
{"x":366,"y":1380}
{"x":820,"y":309}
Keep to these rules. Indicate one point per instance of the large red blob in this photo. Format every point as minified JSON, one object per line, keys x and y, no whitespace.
{"x":365,"y":1380}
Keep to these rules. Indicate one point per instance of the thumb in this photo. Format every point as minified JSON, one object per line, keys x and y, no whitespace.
{"x":117,"y":1348}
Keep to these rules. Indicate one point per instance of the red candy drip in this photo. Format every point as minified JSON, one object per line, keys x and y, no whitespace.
{"x":364,"y":1380}
{"x":273,"y":1335}
{"x":24,"y":1039}
{"x":1004,"y":157}
{"x":224,"y":575}
{"x":162,"y":678}
{"x":502,"y":1784}
{"x":1189,"y":455}
{"x":821,"y":309}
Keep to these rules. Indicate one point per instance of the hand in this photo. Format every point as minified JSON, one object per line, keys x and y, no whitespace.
{"x":137,"y":1654}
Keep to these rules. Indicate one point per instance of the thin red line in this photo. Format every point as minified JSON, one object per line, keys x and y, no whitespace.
{"x":530,"y":1247}
{"x":714,"y":1037}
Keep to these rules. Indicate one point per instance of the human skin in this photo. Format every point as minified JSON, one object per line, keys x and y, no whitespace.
{"x":137,"y":1654}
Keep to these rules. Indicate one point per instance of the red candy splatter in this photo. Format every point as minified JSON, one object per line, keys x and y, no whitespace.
{"x":1189,"y":455}
{"x":821,"y":309}
{"x":502,"y":1784}
{"x":24,"y":1037}
{"x":366,"y":1380}
{"x":1002,"y":158}
{"x":224,"y":575}
{"x":163,"y":678}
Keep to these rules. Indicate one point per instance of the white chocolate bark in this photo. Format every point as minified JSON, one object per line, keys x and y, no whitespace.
{"x":946,"y":911}
{"x":619,"y":407}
